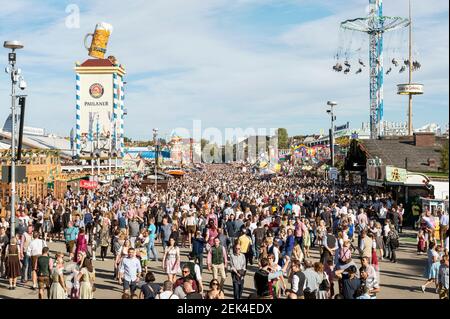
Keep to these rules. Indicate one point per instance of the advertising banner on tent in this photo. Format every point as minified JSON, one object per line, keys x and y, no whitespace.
{"x":395,"y":174}
{"x":88,"y":184}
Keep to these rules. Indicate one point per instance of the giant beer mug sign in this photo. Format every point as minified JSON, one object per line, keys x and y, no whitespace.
{"x":99,"y":42}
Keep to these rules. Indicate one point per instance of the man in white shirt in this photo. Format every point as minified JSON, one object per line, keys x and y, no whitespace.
{"x":344,"y":210}
{"x":167,"y":291}
{"x":369,"y":276}
{"x":34,"y":251}
{"x":296,"y":209}
{"x":382,"y":214}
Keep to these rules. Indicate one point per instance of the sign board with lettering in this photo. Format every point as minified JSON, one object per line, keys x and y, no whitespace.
{"x":342,"y":127}
{"x":413,"y":88}
{"x":395,"y":174}
{"x":96,"y":103}
{"x":99,"y":118}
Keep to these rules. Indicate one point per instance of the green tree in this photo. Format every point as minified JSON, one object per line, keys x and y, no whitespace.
{"x":444,"y":158}
{"x":282,"y":138}
{"x":203,"y":143}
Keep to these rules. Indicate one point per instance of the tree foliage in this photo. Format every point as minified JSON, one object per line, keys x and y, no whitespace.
{"x":282,"y":138}
{"x":203,"y":143}
{"x":444,"y":158}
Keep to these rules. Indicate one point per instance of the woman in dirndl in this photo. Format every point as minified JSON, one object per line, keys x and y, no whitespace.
{"x":432,"y":267}
{"x":13,"y":256}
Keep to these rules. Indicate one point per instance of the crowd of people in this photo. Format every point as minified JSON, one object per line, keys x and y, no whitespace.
{"x":291,"y":236}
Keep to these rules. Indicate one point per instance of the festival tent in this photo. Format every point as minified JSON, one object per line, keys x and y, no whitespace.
{"x":151,"y":154}
{"x":175,"y":172}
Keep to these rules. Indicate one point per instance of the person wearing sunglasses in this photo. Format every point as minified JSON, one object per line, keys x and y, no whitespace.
{"x":186,"y":275}
{"x":215,"y":291}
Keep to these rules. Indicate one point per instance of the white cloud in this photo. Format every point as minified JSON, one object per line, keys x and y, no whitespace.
{"x":219,"y":78}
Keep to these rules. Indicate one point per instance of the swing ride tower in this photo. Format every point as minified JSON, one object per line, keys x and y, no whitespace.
{"x":375,"y":25}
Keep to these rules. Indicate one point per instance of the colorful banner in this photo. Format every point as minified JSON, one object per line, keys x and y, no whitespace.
{"x":88,"y":184}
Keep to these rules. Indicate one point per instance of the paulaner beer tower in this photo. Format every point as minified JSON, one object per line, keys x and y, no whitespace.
{"x":99,"y":101}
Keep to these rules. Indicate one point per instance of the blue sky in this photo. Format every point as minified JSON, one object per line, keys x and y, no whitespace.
{"x":229,"y":63}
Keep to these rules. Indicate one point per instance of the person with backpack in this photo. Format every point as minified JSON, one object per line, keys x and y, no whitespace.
{"x":198,"y":245}
{"x":35,"y":250}
{"x":88,"y":220}
{"x":149,"y":290}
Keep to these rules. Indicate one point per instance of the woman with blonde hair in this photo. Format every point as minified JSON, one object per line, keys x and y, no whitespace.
{"x":58,"y":289}
{"x":307,"y":238}
{"x":324,"y":288}
{"x":378,"y":233}
{"x":123,"y":252}
{"x":86,"y":277}
{"x":290,"y":225}
{"x":297,"y":253}
{"x":321,"y":232}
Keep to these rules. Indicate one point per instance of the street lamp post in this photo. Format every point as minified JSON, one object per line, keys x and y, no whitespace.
{"x":155,"y":139}
{"x":331,"y":112}
{"x":15,"y":78}
{"x":97,"y":148}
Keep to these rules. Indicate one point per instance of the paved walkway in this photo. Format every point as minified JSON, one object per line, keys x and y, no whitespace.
{"x":398,"y":281}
